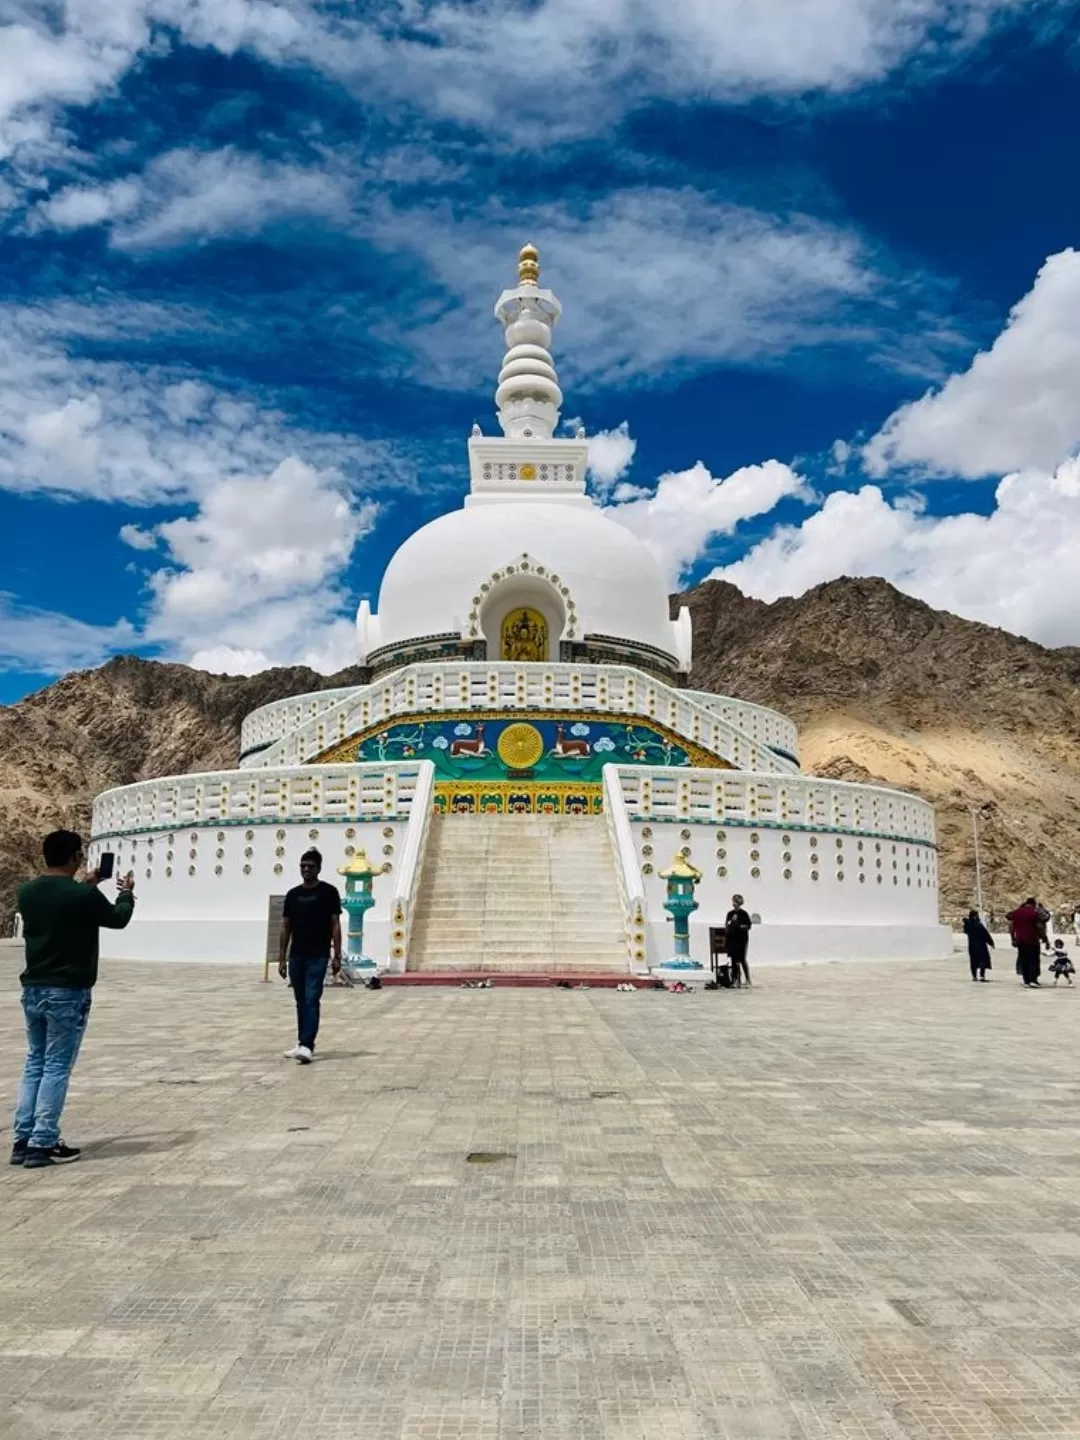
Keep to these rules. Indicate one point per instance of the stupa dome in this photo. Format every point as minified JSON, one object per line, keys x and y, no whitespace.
{"x":615,"y":587}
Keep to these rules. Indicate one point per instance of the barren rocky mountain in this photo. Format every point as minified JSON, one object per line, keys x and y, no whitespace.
{"x":883,"y":688}
{"x":886,"y":689}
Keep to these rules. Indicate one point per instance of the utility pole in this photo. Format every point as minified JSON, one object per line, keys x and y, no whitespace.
{"x":975,"y":812}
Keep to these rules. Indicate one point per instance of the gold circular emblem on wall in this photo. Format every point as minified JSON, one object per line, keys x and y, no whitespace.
{"x":527,"y":472}
{"x":520,"y":746}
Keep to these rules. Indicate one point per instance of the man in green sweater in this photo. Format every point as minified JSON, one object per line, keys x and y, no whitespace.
{"x":61,"y":919}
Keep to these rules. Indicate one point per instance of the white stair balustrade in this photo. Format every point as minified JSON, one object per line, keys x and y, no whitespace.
{"x":631,"y":884}
{"x":410,"y":868}
{"x":519,"y":894}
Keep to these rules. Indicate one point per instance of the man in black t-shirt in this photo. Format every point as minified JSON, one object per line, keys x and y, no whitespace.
{"x":310,"y":931}
{"x":737,"y":925}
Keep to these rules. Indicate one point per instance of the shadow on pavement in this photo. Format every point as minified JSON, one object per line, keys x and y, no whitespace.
{"x":118,"y":1145}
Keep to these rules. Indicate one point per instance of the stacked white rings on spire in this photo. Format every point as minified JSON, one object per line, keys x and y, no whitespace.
{"x":528,"y":397}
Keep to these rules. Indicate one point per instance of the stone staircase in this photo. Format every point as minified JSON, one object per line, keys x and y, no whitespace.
{"x":526,"y":894}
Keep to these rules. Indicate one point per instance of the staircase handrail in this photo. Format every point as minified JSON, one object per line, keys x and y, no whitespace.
{"x":627,"y":869}
{"x":411,"y":865}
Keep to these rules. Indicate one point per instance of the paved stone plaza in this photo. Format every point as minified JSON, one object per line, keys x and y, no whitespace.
{"x":844,"y":1206}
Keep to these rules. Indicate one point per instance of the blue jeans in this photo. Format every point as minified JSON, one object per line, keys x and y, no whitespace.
{"x":307,"y":976}
{"x":55,"y":1025}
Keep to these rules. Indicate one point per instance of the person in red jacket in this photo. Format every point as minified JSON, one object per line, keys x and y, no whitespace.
{"x":1028,"y":930}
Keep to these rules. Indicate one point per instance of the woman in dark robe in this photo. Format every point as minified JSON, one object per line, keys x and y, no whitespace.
{"x":979,"y":942}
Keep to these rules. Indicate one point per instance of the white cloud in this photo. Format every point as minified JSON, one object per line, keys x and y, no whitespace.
{"x":47,"y":643}
{"x":335,"y":651}
{"x":654,"y":283}
{"x":1018,"y":406}
{"x":568,"y":67}
{"x":230,"y":660}
{"x":689,"y":508}
{"x":611,"y":453}
{"x":137,"y":538}
{"x":1016,"y":410}
{"x":140,"y":434}
{"x":527,"y":74}
{"x":1017,"y":568}
{"x":188,"y":195}
{"x":81,"y":205}
{"x":254,"y":577}
{"x":73,"y":51}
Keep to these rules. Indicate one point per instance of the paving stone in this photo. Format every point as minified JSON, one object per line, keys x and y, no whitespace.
{"x":842,"y":1206}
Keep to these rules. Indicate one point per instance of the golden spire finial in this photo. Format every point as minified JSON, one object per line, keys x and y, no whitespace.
{"x":528,"y":265}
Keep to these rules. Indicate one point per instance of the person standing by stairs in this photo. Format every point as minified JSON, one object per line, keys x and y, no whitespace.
{"x":737,"y":926}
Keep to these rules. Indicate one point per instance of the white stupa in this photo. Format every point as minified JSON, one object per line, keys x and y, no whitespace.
{"x":526,"y":758}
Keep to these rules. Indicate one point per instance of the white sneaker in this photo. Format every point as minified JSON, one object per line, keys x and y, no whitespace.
{"x":293,"y":1054}
{"x":304,"y":1055}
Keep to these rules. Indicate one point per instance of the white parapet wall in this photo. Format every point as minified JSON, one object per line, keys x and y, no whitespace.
{"x":208,"y":851}
{"x":293,"y":731}
{"x":832,"y":871}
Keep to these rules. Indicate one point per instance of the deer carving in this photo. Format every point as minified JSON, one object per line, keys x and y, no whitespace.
{"x":565,"y":748}
{"x":473,"y":745}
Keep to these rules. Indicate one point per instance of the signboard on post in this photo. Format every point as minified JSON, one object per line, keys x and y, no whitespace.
{"x":275,"y":905}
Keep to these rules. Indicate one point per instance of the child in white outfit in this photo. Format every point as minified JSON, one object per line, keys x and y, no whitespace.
{"x":1060,"y":964}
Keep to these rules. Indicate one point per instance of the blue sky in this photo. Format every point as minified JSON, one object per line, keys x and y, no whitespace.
{"x":821,"y":309}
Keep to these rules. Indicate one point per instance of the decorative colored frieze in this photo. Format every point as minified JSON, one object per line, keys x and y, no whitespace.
{"x":518,"y":799}
{"x":535,"y":749}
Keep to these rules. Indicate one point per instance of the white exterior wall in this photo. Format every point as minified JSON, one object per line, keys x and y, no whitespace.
{"x":835,"y":871}
{"x":209,"y":850}
{"x":884,"y":907}
{"x":201,"y":893}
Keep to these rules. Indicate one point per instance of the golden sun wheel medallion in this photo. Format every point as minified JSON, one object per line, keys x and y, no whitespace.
{"x":520,"y":746}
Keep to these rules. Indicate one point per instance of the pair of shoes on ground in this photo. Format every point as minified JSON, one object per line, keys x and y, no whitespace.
{"x":37,"y":1157}
{"x":300,"y":1053}
{"x":476,"y":985}
{"x":627,"y":988}
{"x":679,"y":988}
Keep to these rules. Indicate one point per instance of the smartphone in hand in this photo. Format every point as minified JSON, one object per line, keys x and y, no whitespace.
{"x":105,"y":865}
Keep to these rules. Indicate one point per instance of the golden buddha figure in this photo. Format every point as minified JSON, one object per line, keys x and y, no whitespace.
{"x":524,"y":636}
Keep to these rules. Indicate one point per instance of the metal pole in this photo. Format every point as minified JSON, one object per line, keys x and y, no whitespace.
{"x":978,"y":866}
